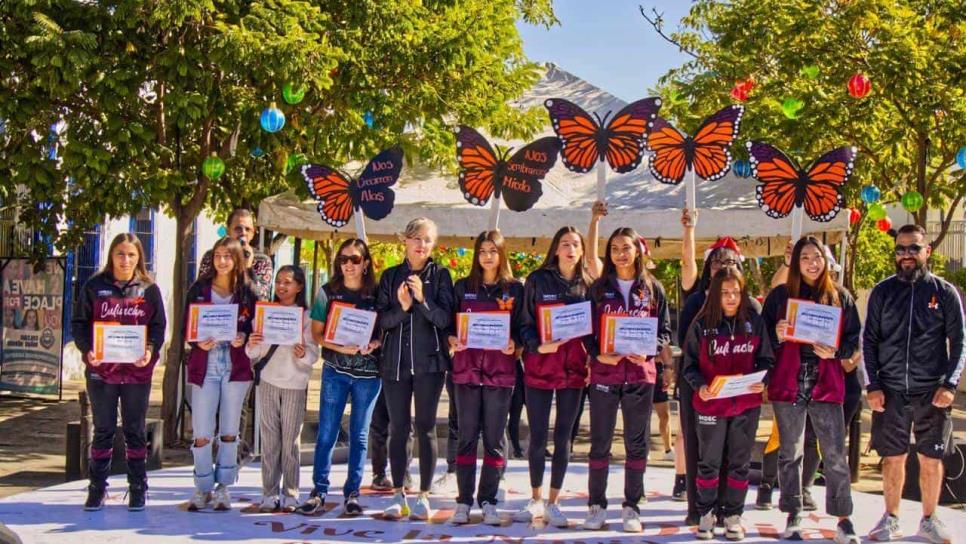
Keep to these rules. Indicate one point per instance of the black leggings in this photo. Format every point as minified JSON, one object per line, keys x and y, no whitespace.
{"x":635,"y":401}
{"x":426,"y":388}
{"x":453,"y":430}
{"x":538,"y":415}
{"x":482,"y":410}
{"x":133,"y":400}
{"x":516,"y":409}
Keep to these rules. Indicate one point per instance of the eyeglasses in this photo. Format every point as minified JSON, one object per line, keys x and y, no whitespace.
{"x":727,"y":262}
{"x":912,"y":249}
{"x":345,"y":259}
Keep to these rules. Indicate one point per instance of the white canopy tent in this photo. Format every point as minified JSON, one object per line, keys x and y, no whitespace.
{"x":726,"y":207}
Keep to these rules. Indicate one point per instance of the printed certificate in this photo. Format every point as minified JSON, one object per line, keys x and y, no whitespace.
{"x":483,"y":330}
{"x":813,"y":323}
{"x":723,"y":387}
{"x":565,"y":321}
{"x":627,"y":335}
{"x":280,"y":325}
{"x":349,"y":326}
{"x":116,"y":343}
{"x":212,"y":321}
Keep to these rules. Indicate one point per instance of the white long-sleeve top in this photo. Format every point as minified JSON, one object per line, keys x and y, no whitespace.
{"x":284,"y":370}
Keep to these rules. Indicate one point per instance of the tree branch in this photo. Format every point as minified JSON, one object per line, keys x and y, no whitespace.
{"x":658,"y":24}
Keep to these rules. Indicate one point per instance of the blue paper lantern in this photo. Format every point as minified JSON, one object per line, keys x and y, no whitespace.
{"x":742,"y":168}
{"x":369,"y":119}
{"x":870,"y":194}
{"x":461,"y":251}
{"x":222,"y":231}
{"x":257,"y":152}
{"x":3,"y":127}
{"x":961,"y":157}
{"x":272,"y":119}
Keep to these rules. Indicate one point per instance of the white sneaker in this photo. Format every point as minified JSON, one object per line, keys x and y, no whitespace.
{"x":596,"y":518}
{"x":289,"y":504}
{"x":733,"y":528}
{"x":462,"y":514}
{"x":421,"y":510}
{"x":706,"y":527}
{"x":269,"y":504}
{"x":555,"y":517}
{"x":443,"y":484}
{"x":490,"y":515}
{"x":632,"y":520}
{"x":533,"y":509}
{"x":222,"y":500}
{"x":887,"y":529}
{"x":398,"y":509}
{"x":933,"y":530}
{"x":199,"y":501}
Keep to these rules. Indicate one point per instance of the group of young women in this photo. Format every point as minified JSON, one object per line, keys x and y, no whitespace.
{"x":722,"y":331}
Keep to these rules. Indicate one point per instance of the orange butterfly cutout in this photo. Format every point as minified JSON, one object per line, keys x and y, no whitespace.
{"x":706,"y":152}
{"x":505,"y":304}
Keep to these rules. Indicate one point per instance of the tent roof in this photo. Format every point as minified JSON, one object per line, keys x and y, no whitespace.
{"x":636,"y":199}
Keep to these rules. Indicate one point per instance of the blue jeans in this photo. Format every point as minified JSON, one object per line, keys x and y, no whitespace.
{"x":336,"y":388}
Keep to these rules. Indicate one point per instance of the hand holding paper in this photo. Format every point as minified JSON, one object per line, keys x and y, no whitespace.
{"x":724,"y":387}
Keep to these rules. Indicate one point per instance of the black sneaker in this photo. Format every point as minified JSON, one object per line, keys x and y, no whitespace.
{"x":517,"y":453}
{"x":680,"y":491}
{"x":808,"y":503}
{"x":351,"y":506}
{"x":95,"y":498}
{"x":314,"y":506}
{"x":763,"y":502}
{"x":135,"y":497}
{"x":793,"y":527}
{"x":381,"y":483}
{"x":845,"y":533}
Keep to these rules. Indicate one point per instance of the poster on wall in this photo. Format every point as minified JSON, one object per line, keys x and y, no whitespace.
{"x":32,"y":331}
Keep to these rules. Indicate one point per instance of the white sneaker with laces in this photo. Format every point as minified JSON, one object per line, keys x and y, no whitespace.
{"x":490,"y":515}
{"x":289,"y":504}
{"x":421,"y":510}
{"x":222,"y":500}
{"x":555,"y":517}
{"x":887,"y":529}
{"x":462,"y":514}
{"x":933,"y":530}
{"x":734,"y":530}
{"x":398,"y":509}
{"x":706,"y":527}
{"x":199,"y":501}
{"x":533,"y":509}
{"x":443,"y":484}
{"x":268,"y":504}
{"x":596,"y":518}
{"x":632,"y":520}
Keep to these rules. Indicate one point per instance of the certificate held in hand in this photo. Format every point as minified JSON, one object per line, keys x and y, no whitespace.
{"x":483,"y":330}
{"x":349,"y":326}
{"x":559,"y":322}
{"x":813,"y":323}
{"x":724,"y":387}
{"x":278,"y":324}
{"x":217,"y":322}
{"x":116,"y":343}
{"x":627,"y":335}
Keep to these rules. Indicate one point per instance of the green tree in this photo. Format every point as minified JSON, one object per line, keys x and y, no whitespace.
{"x":907,"y":129}
{"x":148,"y":90}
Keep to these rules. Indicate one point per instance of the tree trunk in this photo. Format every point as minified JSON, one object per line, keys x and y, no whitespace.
{"x":170,"y":384}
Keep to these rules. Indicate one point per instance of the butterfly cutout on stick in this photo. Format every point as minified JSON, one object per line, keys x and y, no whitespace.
{"x":594,"y":141}
{"x":514,"y":179}
{"x":339,"y":196}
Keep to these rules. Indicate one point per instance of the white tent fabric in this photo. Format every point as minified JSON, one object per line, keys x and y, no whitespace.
{"x":636,"y":199}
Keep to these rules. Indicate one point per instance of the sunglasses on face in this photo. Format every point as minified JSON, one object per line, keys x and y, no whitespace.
{"x":912,"y":249}
{"x":346,"y":259}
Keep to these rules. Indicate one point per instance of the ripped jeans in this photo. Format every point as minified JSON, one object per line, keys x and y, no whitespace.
{"x":218,"y":396}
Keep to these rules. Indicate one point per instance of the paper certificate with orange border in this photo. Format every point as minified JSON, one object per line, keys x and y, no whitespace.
{"x":812,"y":323}
{"x":483,"y":330}
{"x":724,"y":387}
{"x":116,"y":343}
{"x":279,"y":325}
{"x":349,"y":326}
{"x":217,"y":322}
{"x":628,"y":335}
{"x":565,"y":321}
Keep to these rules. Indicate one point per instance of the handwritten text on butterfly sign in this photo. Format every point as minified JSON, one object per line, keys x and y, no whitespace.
{"x":375,"y":182}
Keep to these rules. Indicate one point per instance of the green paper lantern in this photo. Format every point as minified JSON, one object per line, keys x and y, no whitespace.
{"x":876,"y":211}
{"x":213,"y":167}
{"x":791,"y":106}
{"x":293,"y":95}
{"x":294,"y":161}
{"x":810,"y":71}
{"x":912,"y":201}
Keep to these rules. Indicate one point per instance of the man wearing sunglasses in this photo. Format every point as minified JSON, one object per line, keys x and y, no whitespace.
{"x":913,"y":351}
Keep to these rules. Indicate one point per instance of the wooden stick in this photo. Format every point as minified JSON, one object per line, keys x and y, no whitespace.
{"x":360,"y":225}
{"x":601,"y":180}
{"x":495,"y":213}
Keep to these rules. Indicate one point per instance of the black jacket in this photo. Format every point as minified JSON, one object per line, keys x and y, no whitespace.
{"x":906,"y":331}
{"x":415,"y":341}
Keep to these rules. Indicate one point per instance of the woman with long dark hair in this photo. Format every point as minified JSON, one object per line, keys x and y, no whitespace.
{"x":726,"y":338}
{"x":349,"y":372}
{"x":619,"y":381}
{"x":809,"y":382}
{"x":553,"y":371}
{"x":122,"y":292}
{"x":219,"y":374}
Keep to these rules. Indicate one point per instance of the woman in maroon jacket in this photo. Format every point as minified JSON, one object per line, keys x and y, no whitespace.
{"x":626,"y":382}
{"x":552,"y":369}
{"x":124,"y":293}
{"x":484,"y":379}
{"x":726,"y":338}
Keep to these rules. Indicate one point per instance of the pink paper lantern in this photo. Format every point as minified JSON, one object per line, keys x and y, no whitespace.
{"x":859,"y":86}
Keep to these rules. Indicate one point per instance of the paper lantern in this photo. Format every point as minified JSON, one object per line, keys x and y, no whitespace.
{"x":292,"y":94}
{"x":742,"y":168}
{"x":213,"y":167}
{"x":961,"y":157}
{"x":272,"y":119}
{"x":912,"y":201}
{"x":810,"y":71}
{"x":884,"y":224}
{"x":257,"y":152}
{"x":369,"y":119}
{"x":453,"y":263}
{"x":791,"y":107}
{"x":739,"y":94}
{"x":293,"y":161}
{"x":859,"y":86}
{"x":461,"y":251}
{"x":854,"y":216}
{"x":222,"y":231}
{"x":870,"y":194}
{"x":876,"y":211}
